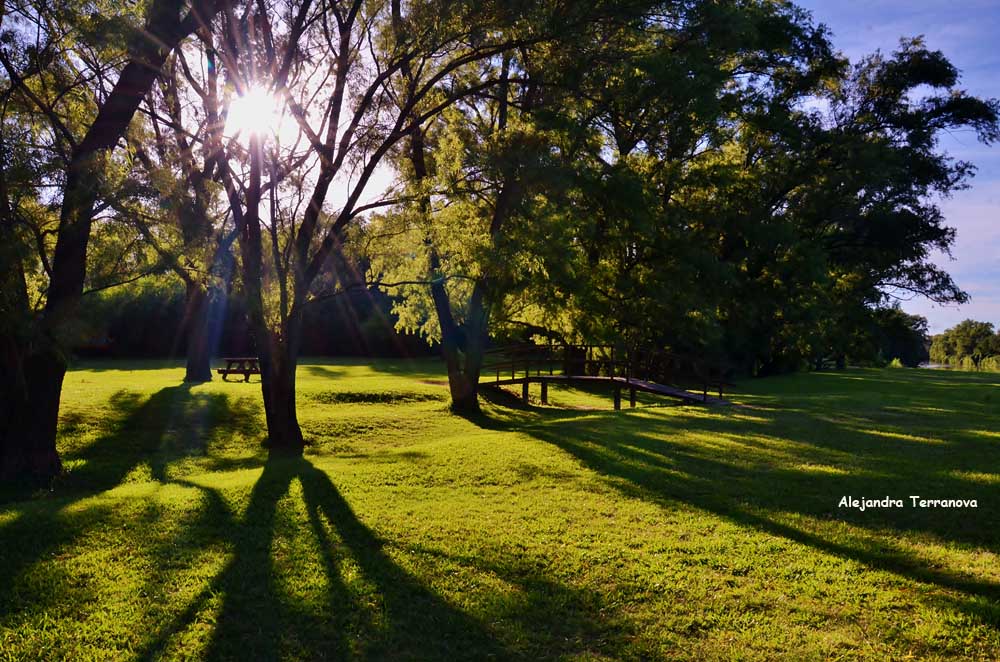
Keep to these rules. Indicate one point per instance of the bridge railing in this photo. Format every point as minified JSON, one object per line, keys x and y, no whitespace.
{"x":529,"y":360}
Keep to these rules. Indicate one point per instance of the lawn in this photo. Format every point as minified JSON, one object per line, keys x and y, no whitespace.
{"x":570,"y":531}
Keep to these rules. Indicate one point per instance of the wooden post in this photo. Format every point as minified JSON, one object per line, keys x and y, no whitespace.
{"x":631,"y":398}
{"x":545,"y":393}
{"x":618,"y":399}
{"x":524,"y":391}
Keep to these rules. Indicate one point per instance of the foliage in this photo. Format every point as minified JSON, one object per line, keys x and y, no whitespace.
{"x":56,"y":60}
{"x":969,"y":344}
{"x":145,"y":319}
{"x":901,"y":337}
{"x":764,"y":209}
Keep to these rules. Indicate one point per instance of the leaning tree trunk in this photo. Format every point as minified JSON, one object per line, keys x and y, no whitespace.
{"x":32,"y":454}
{"x":34,"y":450}
{"x":464,"y":389}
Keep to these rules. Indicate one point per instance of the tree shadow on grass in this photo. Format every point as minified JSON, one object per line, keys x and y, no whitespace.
{"x":172,"y":423}
{"x":549,"y":619}
{"x":781,"y":463}
{"x":364,"y":606}
{"x":784,"y":473}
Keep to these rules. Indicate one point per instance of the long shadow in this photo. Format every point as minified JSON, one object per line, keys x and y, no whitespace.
{"x":417,"y":622}
{"x":790,"y":456}
{"x":587,"y":625}
{"x":136,"y":436}
{"x":170,"y":424}
{"x":396,"y":617}
{"x":252,"y":618}
{"x":740,"y":481}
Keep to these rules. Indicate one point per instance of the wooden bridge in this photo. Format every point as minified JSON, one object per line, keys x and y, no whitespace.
{"x":667,"y":374}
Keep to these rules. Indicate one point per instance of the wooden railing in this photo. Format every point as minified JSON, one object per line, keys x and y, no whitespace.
{"x":527,"y":360}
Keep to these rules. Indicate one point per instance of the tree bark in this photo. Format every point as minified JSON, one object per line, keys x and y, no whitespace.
{"x":464,"y":391}
{"x":476,"y":327}
{"x":25,"y":455}
{"x":198,"y":334}
{"x":30,"y":454}
{"x":278,"y":386}
{"x":277,"y":349}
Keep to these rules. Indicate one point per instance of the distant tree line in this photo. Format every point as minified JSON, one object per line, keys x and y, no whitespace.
{"x":706,"y":176}
{"x":970,"y":345}
{"x":146,"y":319}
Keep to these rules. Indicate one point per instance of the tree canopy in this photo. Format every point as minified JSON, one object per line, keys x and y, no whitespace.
{"x":703,"y":177}
{"x":969,"y":344}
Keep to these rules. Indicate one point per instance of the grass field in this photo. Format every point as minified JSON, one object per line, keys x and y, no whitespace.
{"x":570,"y":531}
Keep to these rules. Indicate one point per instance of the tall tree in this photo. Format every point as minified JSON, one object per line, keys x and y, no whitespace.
{"x":479,"y":161}
{"x":385,"y":70}
{"x":842,"y":206}
{"x":179,"y":211}
{"x":35,"y":363}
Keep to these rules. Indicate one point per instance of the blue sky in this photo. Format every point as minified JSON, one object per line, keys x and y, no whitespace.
{"x":968,"y":32}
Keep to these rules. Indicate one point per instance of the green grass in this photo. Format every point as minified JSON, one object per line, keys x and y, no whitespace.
{"x":570,"y":531}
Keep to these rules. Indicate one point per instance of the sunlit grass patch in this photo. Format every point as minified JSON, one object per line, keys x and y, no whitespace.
{"x":567,"y":531}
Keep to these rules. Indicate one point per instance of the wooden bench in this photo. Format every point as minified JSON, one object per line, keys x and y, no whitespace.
{"x":240,"y":365}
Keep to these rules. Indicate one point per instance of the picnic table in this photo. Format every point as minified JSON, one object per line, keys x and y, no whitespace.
{"x":240,"y":365}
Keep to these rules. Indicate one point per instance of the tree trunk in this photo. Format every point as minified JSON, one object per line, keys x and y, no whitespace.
{"x":464,"y":393}
{"x":27,"y":431}
{"x":464,"y":390}
{"x":31,"y":452}
{"x":277,"y":350}
{"x":475,"y":340}
{"x":278,"y":386}
{"x":25,"y":455}
{"x":197,"y":323}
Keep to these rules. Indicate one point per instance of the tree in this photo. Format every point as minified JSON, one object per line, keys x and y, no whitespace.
{"x":34,"y":356}
{"x":901,"y":336}
{"x":359,"y":79}
{"x":966,"y":343}
{"x":600,"y":133}
{"x":847,"y":200}
{"x":457,"y":255}
{"x":182,"y":218}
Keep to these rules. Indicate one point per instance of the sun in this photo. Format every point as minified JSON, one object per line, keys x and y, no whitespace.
{"x":256,"y":112}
